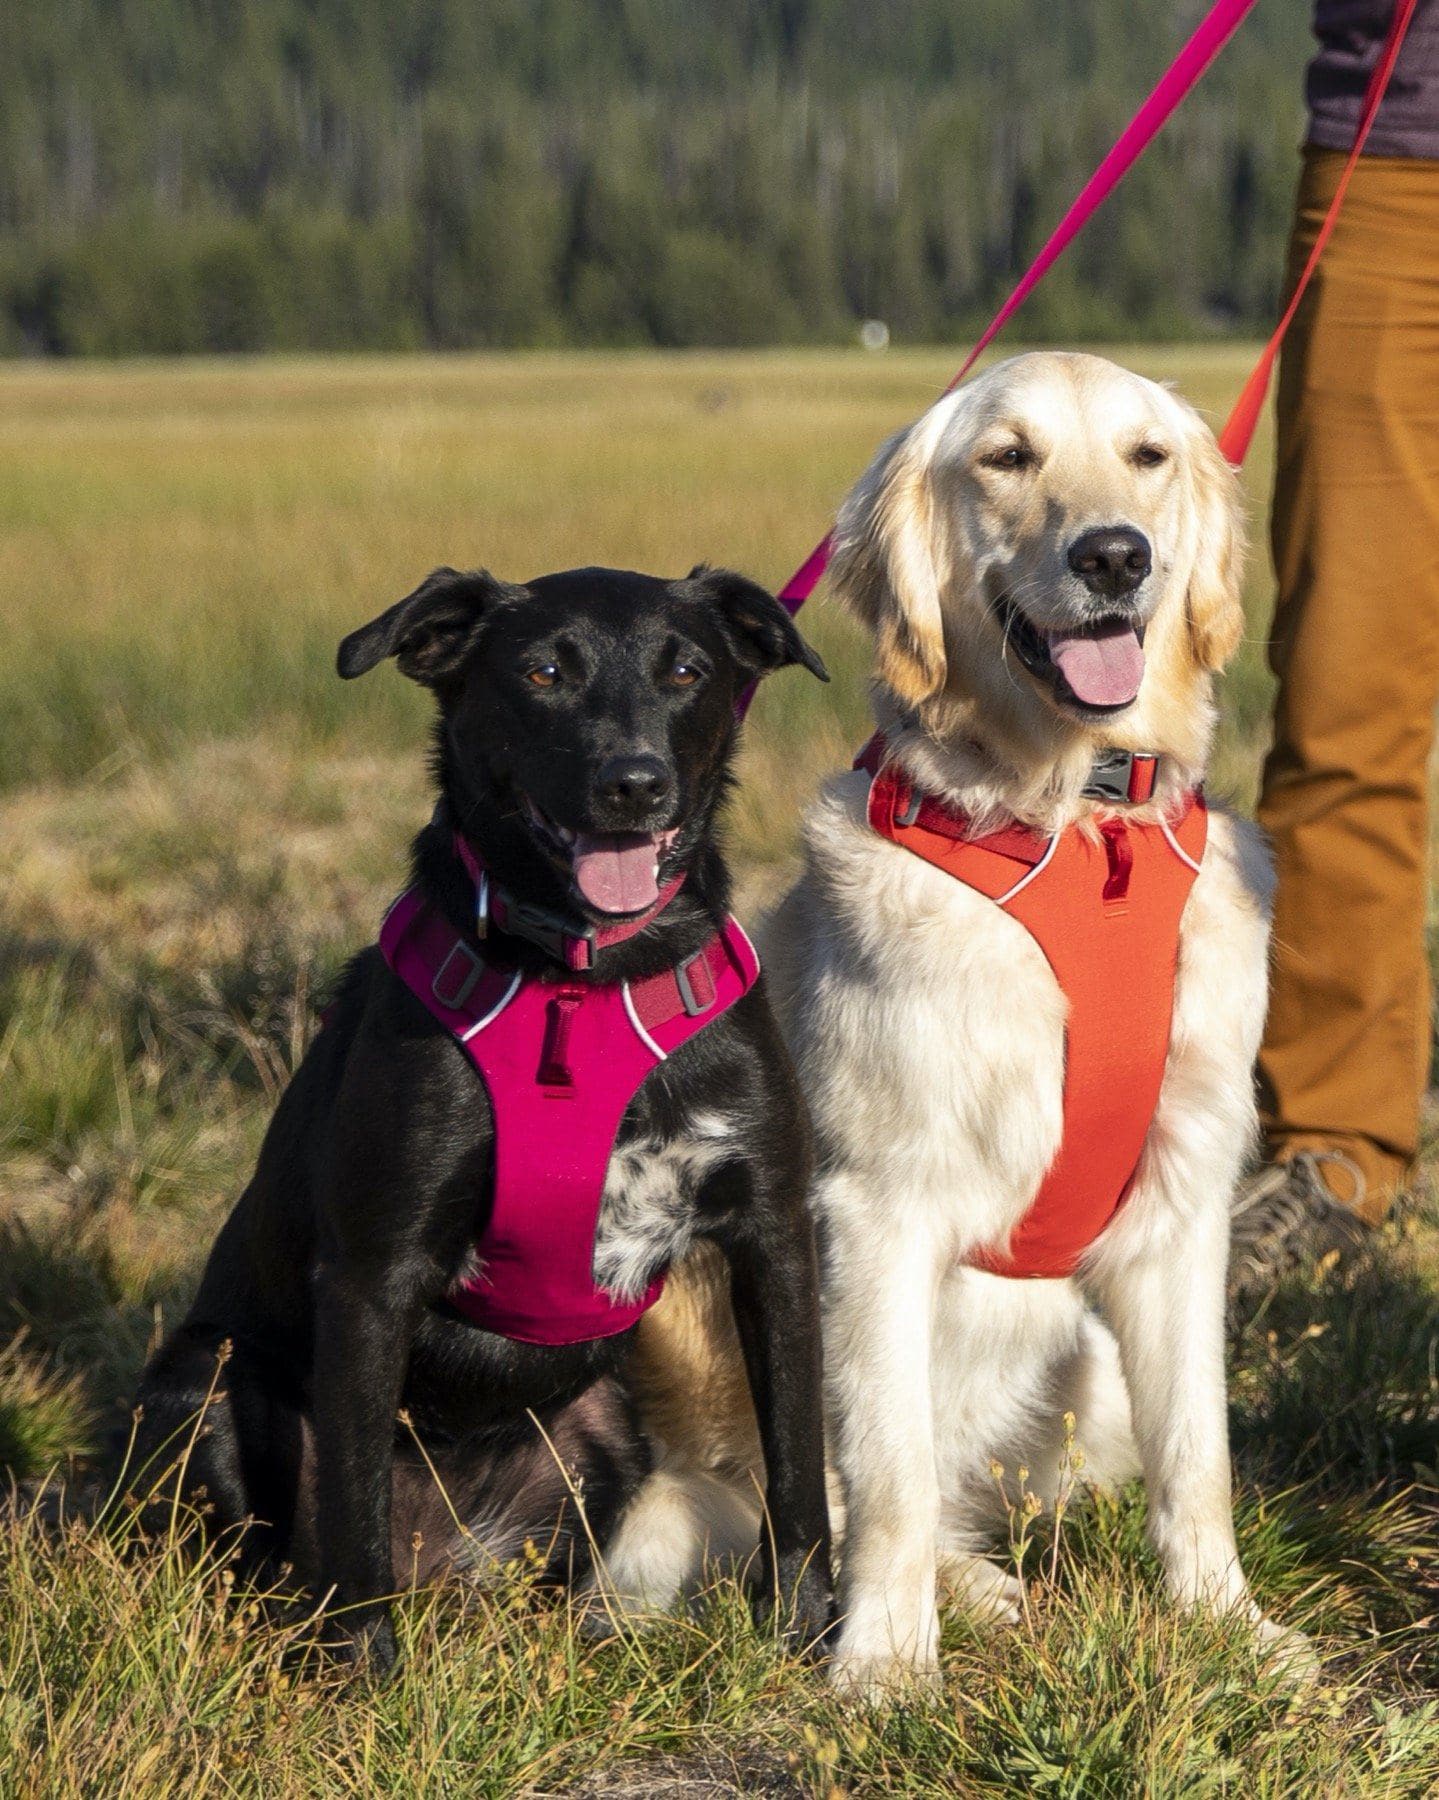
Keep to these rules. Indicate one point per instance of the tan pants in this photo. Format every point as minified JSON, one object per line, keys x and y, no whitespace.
{"x":1356,"y":649}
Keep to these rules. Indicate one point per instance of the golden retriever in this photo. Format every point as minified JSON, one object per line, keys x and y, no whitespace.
{"x":929,"y":1030}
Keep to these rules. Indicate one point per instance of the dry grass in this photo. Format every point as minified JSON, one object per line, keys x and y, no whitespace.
{"x":183,"y":547}
{"x":200,"y":823}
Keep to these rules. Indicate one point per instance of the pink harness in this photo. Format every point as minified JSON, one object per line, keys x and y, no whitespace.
{"x":561,"y":1060}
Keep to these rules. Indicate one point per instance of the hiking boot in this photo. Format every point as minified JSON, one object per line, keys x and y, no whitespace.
{"x":1285,"y":1214}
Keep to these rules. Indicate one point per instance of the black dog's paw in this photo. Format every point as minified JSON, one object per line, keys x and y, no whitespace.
{"x":364,"y":1643}
{"x":799,"y":1600}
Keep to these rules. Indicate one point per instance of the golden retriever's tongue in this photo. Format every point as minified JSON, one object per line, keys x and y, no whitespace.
{"x":617,"y":871}
{"x":1104,"y":667}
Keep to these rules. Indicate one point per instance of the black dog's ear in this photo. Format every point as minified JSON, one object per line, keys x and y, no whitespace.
{"x":764,"y":634}
{"x":429,"y":631}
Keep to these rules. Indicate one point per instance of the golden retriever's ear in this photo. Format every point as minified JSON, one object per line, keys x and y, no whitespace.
{"x":885,"y":568}
{"x":1214,"y":612}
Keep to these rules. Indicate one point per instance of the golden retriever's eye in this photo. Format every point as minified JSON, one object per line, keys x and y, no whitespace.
{"x":1012,"y":456}
{"x":683,"y":675}
{"x":546,"y":675}
{"x":1150,"y":456}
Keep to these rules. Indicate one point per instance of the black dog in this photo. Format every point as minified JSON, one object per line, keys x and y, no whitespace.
{"x":588,"y":708}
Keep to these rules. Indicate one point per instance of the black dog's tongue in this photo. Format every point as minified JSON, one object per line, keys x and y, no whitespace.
{"x":618,"y":871}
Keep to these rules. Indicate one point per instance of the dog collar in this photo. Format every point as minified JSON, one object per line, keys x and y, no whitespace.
{"x":552,"y":932}
{"x":1125,"y":777}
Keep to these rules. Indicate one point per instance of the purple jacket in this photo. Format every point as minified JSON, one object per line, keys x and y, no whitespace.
{"x":1350,"y":34}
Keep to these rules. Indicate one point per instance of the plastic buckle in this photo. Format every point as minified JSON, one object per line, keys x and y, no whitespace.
{"x":472,"y":974}
{"x":689,"y":999}
{"x":547,"y":931}
{"x":1109,"y":776}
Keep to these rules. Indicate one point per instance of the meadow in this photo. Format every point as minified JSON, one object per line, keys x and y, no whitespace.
{"x":199,"y":824}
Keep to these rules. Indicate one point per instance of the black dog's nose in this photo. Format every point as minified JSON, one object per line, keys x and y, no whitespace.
{"x":633,"y":781}
{"x":1113,"y":560}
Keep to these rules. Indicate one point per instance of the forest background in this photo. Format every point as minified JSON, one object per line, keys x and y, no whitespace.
{"x":202,"y":176}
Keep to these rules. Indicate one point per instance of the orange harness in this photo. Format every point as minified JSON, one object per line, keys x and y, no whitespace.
{"x":1106,"y":915}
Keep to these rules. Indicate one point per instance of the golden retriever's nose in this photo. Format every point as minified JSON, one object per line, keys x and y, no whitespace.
{"x":1111,"y":561}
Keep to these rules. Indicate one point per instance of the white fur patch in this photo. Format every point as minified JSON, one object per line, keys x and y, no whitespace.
{"x":680,"y":1524}
{"x":647,"y":1212}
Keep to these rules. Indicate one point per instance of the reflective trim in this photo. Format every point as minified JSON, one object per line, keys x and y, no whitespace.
{"x":640,"y":1031}
{"x":733,"y":924}
{"x":495,"y":1010}
{"x":1178,"y":848}
{"x":1024,"y":880}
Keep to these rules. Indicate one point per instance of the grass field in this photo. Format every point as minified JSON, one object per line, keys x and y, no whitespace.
{"x":200,"y":822}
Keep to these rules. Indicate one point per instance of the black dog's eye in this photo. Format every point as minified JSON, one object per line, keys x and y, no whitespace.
{"x":545,"y":676}
{"x":1012,"y":456}
{"x":684,"y":674}
{"x":1149,"y":456}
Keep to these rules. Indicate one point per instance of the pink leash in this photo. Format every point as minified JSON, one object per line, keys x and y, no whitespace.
{"x":1213,"y":32}
{"x":1210,"y":36}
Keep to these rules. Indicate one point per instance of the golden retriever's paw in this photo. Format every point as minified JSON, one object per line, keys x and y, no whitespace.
{"x":1287,"y":1653}
{"x":987,"y":1593}
{"x":876,"y":1674}
{"x":883,"y":1681}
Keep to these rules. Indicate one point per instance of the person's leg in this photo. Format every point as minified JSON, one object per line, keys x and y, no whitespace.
{"x":1356,"y":649}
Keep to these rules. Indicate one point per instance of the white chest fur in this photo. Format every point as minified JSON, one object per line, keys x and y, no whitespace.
{"x":647,"y":1212}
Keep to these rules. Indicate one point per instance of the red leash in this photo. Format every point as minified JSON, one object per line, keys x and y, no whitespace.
{"x":1238,"y":430}
{"x":1209,"y":38}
